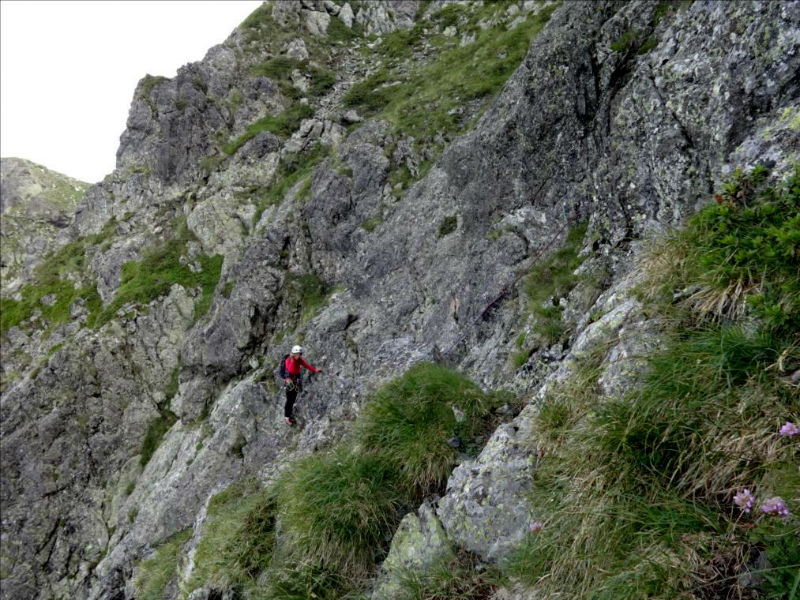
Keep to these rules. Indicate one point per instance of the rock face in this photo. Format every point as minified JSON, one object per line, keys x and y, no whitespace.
{"x":37,"y":205}
{"x":615,"y":117}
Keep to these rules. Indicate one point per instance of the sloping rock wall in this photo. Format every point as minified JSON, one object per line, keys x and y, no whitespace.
{"x":587,"y":129}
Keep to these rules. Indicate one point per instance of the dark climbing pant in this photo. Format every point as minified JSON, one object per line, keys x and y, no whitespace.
{"x":291,"y":396}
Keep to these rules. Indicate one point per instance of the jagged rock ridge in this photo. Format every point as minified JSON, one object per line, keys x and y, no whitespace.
{"x":587,"y":129}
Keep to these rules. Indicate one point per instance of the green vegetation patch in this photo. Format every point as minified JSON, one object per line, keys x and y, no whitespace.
{"x":550,"y":281}
{"x":411,"y":419}
{"x":160,"y":269}
{"x":627,"y":41}
{"x":258,"y":23}
{"x":283,"y":124}
{"x":155,"y":573}
{"x":679,"y":484}
{"x":280,"y":69}
{"x":60,"y":281}
{"x":238,"y":538}
{"x":341,"y":509}
{"x":372,"y":224}
{"x":155,"y":433}
{"x":448,"y":225}
{"x":339,"y":32}
{"x":456,"y":578}
{"x":427,"y":102}
{"x":338,"y":510}
{"x":57,"y":285}
{"x":292,"y":169}
{"x":308,"y":292}
{"x":741,"y":252}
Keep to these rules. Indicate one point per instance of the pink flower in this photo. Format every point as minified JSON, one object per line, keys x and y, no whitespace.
{"x":744,"y":500}
{"x":789,"y":429}
{"x":775,"y":506}
{"x":536,"y":526}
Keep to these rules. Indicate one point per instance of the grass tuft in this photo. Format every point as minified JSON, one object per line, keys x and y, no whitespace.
{"x":339,"y":510}
{"x":458,"y":578}
{"x":155,"y":433}
{"x":156,"y":572}
{"x":238,"y":538}
{"x":636,"y":493}
{"x":550,"y":281}
{"x":410,"y":420}
{"x":737,"y":257}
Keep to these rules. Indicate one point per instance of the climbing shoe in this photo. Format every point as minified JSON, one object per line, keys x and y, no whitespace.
{"x":289,"y":421}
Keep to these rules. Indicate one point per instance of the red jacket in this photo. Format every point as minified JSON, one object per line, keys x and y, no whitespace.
{"x":292,"y":366}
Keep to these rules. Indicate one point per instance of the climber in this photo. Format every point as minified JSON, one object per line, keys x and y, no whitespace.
{"x":289,"y":371}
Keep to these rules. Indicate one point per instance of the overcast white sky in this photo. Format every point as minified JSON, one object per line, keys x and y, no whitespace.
{"x":68,"y":71}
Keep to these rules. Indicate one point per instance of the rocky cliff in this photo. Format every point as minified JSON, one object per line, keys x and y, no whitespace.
{"x":376,"y":181}
{"x":37,"y":205}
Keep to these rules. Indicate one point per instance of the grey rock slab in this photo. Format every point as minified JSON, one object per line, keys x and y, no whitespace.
{"x":485,"y":509}
{"x":419,"y":544}
{"x":317,"y":22}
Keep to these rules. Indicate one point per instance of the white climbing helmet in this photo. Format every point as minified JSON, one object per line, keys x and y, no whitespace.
{"x":297,"y":349}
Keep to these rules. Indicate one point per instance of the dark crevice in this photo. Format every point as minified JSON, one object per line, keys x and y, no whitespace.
{"x":682,"y":128}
